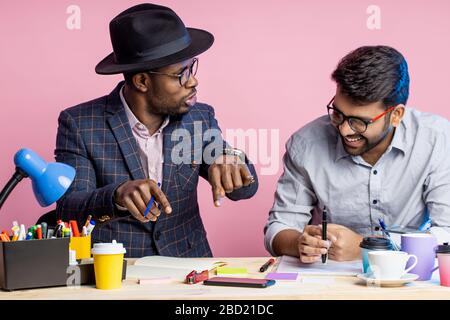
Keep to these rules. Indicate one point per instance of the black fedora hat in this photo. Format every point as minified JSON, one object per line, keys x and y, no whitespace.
{"x":149,"y":36}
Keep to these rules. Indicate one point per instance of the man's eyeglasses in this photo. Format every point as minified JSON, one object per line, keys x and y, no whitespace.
{"x":358,"y":125}
{"x":184,"y":75}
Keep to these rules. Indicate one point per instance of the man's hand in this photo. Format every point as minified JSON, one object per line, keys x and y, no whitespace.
{"x":135,"y":195}
{"x":227,"y":174}
{"x":346,"y":246}
{"x":310,"y":244}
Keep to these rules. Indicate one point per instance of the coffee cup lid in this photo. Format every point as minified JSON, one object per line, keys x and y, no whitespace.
{"x":376,"y":243}
{"x":443,"y":248}
{"x":108,"y":248}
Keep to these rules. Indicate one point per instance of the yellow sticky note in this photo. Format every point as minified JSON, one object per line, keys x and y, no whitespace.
{"x":229,"y":270}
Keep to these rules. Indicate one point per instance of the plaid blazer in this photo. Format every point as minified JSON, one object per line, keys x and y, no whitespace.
{"x":96,"y":139}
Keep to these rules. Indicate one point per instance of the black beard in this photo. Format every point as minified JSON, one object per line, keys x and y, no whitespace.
{"x":170,"y":111}
{"x":370,"y":146}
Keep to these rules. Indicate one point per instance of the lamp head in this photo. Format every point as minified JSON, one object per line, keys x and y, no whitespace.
{"x":50,"y":180}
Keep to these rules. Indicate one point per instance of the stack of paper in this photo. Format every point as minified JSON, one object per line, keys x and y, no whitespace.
{"x":159,"y":266}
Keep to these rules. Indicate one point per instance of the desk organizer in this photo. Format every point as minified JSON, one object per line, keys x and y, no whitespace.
{"x":34,"y":263}
{"x":82,"y":247}
{"x":41,"y":263}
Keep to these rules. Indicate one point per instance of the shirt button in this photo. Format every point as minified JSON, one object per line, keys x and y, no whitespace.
{"x":375,"y":172}
{"x":375,"y":201}
{"x":157,"y":235}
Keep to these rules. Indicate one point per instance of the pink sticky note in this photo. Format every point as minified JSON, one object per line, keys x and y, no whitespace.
{"x":281,"y":276}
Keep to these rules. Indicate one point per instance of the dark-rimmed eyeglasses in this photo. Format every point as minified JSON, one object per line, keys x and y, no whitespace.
{"x":184,"y":75}
{"x":358,"y":125}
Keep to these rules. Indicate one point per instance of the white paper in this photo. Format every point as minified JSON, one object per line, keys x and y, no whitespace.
{"x":145,"y":272}
{"x":441,"y":234}
{"x":160,"y":266}
{"x":332,"y":268}
{"x":176,"y":263}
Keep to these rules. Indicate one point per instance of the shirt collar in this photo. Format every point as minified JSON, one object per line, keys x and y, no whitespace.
{"x":340,"y":150}
{"x":400,"y":137}
{"x":135,"y":124}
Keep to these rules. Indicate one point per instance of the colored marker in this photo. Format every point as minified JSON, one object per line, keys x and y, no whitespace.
{"x":44,"y":229}
{"x":15,"y":227}
{"x":50,"y":233}
{"x":22,"y":232}
{"x":266,"y":265}
{"x":88,"y":220}
{"x":90,"y":227}
{"x":39,"y":232}
{"x":33,"y":230}
{"x":4,"y":237}
{"x":66,"y":232}
{"x":58,"y":231}
{"x":74,"y":226}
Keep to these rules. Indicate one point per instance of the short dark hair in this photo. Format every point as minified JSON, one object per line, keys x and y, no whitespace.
{"x":373,"y":73}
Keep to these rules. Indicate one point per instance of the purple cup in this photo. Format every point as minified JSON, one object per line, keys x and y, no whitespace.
{"x":423,"y":246}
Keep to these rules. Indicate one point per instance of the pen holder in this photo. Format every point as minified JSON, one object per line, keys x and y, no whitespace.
{"x":34,"y":263}
{"x":82,"y":247}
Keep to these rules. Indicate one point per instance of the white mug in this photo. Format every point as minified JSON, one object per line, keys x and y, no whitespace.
{"x":390,"y":264}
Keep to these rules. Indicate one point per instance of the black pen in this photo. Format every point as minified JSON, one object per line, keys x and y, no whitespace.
{"x":324,"y":232}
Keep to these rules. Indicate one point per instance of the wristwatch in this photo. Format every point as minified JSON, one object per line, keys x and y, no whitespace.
{"x":235,"y":152}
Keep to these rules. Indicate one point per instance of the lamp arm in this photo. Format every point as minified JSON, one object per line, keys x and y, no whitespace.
{"x":12,"y":183}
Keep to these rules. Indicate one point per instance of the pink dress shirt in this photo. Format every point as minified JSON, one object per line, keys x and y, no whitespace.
{"x":150,"y":146}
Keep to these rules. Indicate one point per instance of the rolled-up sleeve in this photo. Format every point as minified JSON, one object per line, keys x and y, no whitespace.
{"x":294,"y":197}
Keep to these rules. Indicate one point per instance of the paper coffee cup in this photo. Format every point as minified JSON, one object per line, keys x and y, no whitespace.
{"x":372,"y":244}
{"x":108,"y":264}
{"x":443,"y":254}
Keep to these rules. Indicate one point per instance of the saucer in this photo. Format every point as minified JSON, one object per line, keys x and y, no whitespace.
{"x":370,"y":280}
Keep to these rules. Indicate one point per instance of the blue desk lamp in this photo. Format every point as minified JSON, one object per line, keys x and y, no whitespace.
{"x":49,"y":180}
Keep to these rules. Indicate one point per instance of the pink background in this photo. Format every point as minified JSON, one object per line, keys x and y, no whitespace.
{"x":268,"y":69}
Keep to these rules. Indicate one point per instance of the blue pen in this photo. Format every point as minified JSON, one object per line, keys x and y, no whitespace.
{"x":383,"y":228}
{"x":426,"y":224}
{"x":150,"y":203}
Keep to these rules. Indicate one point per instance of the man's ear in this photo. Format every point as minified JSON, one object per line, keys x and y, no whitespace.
{"x":141,"y":82}
{"x":397,"y":115}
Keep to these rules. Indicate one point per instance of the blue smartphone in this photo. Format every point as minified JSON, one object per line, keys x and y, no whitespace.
{"x":239,"y":282}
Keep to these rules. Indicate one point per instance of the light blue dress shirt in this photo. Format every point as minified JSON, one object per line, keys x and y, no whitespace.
{"x":412,"y":174}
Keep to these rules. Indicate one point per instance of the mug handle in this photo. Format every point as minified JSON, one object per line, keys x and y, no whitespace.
{"x":413,"y":265}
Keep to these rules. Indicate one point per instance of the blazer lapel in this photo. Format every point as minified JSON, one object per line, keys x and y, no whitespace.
{"x":121,"y":129}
